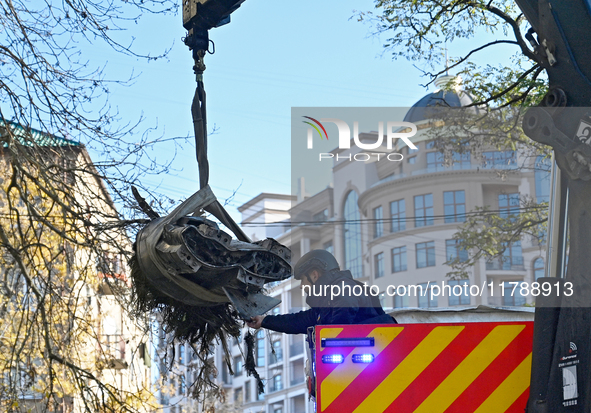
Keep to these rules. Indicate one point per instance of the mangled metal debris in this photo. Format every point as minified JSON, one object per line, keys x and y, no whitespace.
{"x":191,"y":260}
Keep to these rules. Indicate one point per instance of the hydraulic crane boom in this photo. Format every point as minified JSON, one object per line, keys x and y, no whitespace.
{"x":561,"y":366}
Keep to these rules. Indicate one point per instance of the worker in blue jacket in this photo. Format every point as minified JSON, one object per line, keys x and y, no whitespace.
{"x":333,"y":295}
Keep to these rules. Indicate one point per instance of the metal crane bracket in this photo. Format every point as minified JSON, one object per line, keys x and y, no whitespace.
{"x":573,"y":156}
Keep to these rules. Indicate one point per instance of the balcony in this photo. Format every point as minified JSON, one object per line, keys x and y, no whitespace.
{"x":297,"y":376}
{"x":464,"y":165}
{"x":297,"y":372}
{"x":112,"y":351}
{"x":297,"y":380}
{"x":296,"y":345}
{"x":505,"y":301}
{"x":506,"y":263}
{"x":109,"y":283}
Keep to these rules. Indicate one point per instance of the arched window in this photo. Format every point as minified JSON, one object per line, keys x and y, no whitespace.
{"x":538,"y":268}
{"x":352,"y":236}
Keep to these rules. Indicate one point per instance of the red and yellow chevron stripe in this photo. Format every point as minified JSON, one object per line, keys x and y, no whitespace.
{"x":427,"y":368}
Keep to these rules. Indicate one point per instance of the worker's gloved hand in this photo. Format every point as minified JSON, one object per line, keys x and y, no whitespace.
{"x":255,"y":322}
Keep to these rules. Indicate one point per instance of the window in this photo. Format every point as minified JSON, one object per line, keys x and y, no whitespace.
{"x":109,"y":263}
{"x":508,"y":205}
{"x":398,"y":259}
{"x":247,"y":391}
{"x":238,"y":395}
{"x":226,"y":378}
{"x":542,"y":168}
{"x":458,"y":293}
{"x":426,"y":254}
{"x":410,"y":151}
{"x":296,"y":344}
{"x":277,"y":349}
{"x":435,"y":161}
{"x":398,"y":216}
{"x":237,"y":366}
{"x":426,"y":299}
{"x":328,"y":247}
{"x":164,"y":398}
{"x":512,"y":295}
{"x":182,"y":384}
{"x":276,"y":382}
{"x":461,"y":160}
{"x":512,"y":257}
{"x":352,"y":236}
{"x":538,"y":268}
{"x":68,"y":251}
{"x":378,"y":260}
{"x":383,"y":302}
{"x":423,"y":210}
{"x":401,"y":301}
{"x":412,"y":160}
{"x":260,"y":348}
{"x":453,"y":251}
{"x":173,"y":386}
{"x":499,"y":159}
{"x":454,"y":206}
{"x":378,"y":224}
{"x":181,"y":354}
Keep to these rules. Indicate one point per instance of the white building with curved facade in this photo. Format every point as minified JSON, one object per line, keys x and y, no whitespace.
{"x":392,"y":223}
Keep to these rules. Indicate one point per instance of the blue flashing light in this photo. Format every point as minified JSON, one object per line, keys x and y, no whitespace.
{"x":363,"y":358}
{"x":333,"y":358}
{"x":348,"y":342}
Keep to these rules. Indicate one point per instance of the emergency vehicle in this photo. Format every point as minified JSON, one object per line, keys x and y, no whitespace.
{"x":471,"y":360}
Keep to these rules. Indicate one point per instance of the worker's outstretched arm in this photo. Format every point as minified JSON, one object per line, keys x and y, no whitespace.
{"x":296,"y":323}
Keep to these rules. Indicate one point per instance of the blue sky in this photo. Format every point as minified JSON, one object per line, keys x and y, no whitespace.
{"x":271,"y":57}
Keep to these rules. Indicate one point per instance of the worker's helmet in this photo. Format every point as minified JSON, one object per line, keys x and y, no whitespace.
{"x":321,"y":260}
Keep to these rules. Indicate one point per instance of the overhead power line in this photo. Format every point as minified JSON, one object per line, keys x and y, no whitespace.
{"x":508,"y":211}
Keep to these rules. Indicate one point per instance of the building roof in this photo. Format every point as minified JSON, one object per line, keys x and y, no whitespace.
{"x":423,"y":108}
{"x":32,"y":137}
{"x":264,"y":196}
